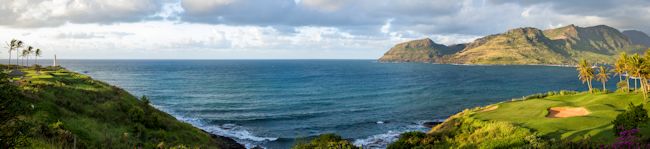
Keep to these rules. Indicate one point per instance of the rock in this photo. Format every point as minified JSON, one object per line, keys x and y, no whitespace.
{"x":430,"y":124}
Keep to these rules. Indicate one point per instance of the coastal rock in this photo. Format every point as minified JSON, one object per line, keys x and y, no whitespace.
{"x":431,"y":124}
{"x":422,"y":50}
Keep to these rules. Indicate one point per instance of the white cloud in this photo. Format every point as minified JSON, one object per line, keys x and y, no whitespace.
{"x":36,"y":13}
{"x":165,"y":39}
{"x":285,"y":28}
{"x":386,"y":27}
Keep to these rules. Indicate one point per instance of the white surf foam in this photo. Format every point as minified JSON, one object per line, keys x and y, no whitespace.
{"x":381,"y":141}
{"x":236,"y":132}
{"x":378,"y":141}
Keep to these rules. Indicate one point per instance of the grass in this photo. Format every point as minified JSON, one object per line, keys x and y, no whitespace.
{"x":532,"y":114}
{"x":94,"y":114}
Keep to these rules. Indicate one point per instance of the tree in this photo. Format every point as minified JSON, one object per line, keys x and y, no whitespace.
{"x":632,"y":118}
{"x":30,"y":50}
{"x":639,"y":69}
{"x":634,"y":64}
{"x":602,"y":76}
{"x":620,"y":70}
{"x":585,"y":73}
{"x":37,"y":54}
{"x":23,"y":54}
{"x":19,"y":44}
{"x":12,"y":46}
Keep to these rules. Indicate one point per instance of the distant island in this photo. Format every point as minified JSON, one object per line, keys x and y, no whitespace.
{"x":558,"y":46}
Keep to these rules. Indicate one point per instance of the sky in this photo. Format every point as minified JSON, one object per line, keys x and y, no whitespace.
{"x":284,"y":29}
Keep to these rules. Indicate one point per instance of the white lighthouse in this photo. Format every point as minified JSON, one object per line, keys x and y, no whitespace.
{"x":54,"y":63}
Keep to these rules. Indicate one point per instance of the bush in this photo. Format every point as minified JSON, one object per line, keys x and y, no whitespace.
{"x":463,"y":131}
{"x":12,"y":106}
{"x":622,"y":86}
{"x":415,"y":139}
{"x":630,"y":119}
{"x":326,"y":141}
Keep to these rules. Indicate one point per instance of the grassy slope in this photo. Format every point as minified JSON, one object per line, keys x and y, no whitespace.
{"x":532,"y":114}
{"x":98,"y":115}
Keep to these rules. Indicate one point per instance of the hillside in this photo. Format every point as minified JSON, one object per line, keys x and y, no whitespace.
{"x":637,"y":37}
{"x":57,"y":108}
{"x":559,"y":46}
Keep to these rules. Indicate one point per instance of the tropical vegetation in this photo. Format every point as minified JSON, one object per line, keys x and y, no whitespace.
{"x":57,"y":108}
{"x":23,"y":52}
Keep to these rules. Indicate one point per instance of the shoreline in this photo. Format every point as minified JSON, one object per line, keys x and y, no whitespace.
{"x":462,"y":64}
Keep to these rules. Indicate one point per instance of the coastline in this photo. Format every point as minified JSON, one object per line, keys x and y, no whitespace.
{"x":462,"y":64}
{"x":50,"y":90}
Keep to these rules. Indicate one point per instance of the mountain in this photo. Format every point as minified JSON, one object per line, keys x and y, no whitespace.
{"x":637,"y":37}
{"x":559,"y":46}
{"x":422,"y":50}
{"x":517,"y":46}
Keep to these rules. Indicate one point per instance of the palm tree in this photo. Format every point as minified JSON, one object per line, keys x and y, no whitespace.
{"x":29,"y":51}
{"x":24,"y":55}
{"x":634,"y":63}
{"x":19,"y":44}
{"x":12,"y":46}
{"x":602,"y":76}
{"x":619,"y":69}
{"x":639,"y":68}
{"x":585,"y":73}
{"x":37,"y":54}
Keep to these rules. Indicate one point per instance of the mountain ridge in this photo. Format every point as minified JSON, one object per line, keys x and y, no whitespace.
{"x":526,"y":45}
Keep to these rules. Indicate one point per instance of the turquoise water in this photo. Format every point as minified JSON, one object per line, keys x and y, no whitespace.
{"x":272,"y":102}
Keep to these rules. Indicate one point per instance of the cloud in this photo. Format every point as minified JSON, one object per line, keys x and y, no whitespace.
{"x":313,"y":28}
{"x":325,"y":5}
{"x":171,"y":40}
{"x":37,"y":13}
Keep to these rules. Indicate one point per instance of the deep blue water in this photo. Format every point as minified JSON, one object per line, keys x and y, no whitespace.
{"x":271,"y":102}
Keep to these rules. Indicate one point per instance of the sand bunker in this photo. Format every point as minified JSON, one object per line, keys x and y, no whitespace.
{"x":562,"y":112}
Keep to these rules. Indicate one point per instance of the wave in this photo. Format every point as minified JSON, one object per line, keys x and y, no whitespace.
{"x":381,"y":141}
{"x":236,"y":132}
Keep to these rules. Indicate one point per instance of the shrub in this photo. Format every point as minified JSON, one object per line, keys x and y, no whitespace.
{"x":12,"y":106}
{"x":463,"y":131}
{"x":629,"y":139}
{"x":630,"y":119}
{"x":622,"y":86}
{"x":535,"y":96}
{"x":326,"y":141}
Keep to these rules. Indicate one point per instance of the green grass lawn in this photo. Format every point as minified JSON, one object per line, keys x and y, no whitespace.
{"x":532,"y":114}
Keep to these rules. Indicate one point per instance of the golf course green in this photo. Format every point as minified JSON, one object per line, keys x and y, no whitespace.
{"x":532,"y":114}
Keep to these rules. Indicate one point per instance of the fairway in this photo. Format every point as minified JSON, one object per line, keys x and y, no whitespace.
{"x":532,"y":114}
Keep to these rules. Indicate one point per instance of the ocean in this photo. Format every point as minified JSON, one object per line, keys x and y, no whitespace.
{"x":273,"y":103}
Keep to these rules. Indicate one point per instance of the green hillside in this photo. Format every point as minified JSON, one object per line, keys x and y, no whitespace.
{"x":57,"y":108}
{"x":559,"y":46}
